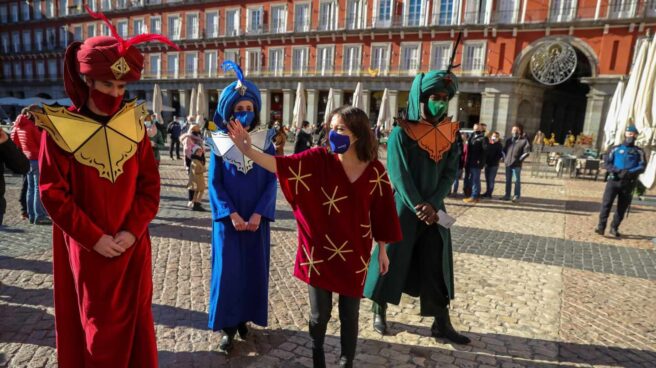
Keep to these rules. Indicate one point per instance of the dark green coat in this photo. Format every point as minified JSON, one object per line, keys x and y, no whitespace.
{"x":416,"y":178}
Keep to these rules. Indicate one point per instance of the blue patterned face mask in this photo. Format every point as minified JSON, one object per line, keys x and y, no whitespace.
{"x":244,"y":117}
{"x":339,"y":143}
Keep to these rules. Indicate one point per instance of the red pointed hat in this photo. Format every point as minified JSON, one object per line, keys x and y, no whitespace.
{"x":104,"y":58}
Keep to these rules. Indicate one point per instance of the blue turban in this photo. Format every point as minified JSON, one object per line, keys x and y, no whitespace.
{"x":429,"y":83}
{"x":632,"y":129}
{"x":239,"y":90}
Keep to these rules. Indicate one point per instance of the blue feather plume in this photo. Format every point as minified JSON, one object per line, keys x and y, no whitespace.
{"x":229,"y":65}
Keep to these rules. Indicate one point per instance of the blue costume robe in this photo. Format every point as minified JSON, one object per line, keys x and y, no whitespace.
{"x":240,"y":259}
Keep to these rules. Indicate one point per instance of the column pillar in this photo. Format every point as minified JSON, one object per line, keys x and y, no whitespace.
{"x":265,"y":109}
{"x":338,"y":97}
{"x":393,"y":99}
{"x":166,"y":101}
{"x":312,"y":105}
{"x":184,"y":102}
{"x":489,"y":113}
{"x":595,"y":112}
{"x":453,"y":107}
{"x":366,"y":101}
{"x":287,"y":106}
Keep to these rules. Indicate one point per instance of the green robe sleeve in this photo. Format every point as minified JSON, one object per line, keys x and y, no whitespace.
{"x":447,"y":176}
{"x":399,"y":172}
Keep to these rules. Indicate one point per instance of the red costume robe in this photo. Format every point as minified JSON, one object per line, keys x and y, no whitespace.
{"x":337,"y":220}
{"x":103,"y":313}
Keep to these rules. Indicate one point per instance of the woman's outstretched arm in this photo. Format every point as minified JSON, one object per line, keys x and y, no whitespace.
{"x":242,"y":140}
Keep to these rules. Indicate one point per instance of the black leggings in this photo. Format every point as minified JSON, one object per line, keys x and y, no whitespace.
{"x":320,"y":307}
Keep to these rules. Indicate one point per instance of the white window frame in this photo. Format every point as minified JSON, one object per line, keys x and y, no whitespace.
{"x":465,"y":67}
{"x":408,"y":69}
{"x":144,"y":28}
{"x":157,"y":75}
{"x":176,"y":70}
{"x":28,"y":70}
{"x":14,"y":13}
{"x":330,"y":23}
{"x":236,"y":52}
{"x":16,"y":41}
{"x":195,"y":32}
{"x":52,"y":72}
{"x":306,"y":25}
{"x":378,"y":23}
{"x":449,"y":51}
{"x":95,"y":29}
{"x":455,"y":13}
{"x":37,"y":11}
{"x":18,"y":70}
{"x":275,"y":70}
{"x":81,"y":28}
{"x":285,"y":12}
{"x":152,"y":29}
{"x":117,"y":24}
{"x":255,"y":28}
{"x":422,"y":14}
{"x":360,"y":19}
{"x":38,"y":39}
{"x":170,"y":35}
{"x":474,"y":15}
{"x":212,"y":33}
{"x":302,"y":71}
{"x":502,"y":16}
{"x":384,"y":70}
{"x":326,"y":67}
{"x":211,"y":72}
{"x":50,"y":31}
{"x":41,"y":67}
{"x":63,"y":36}
{"x":249,"y":52}
{"x":623,"y":12}
{"x":558,"y":10}
{"x":651,"y":8}
{"x":5,"y":40}
{"x":352,"y":70}
{"x":108,"y":7}
{"x":50,"y":9}
{"x":26,"y":42}
{"x":194,"y":72}
{"x":25,"y":10}
{"x":237,"y":26}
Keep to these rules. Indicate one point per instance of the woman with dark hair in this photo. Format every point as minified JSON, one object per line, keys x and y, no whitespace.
{"x":342,"y":201}
{"x":243,"y":200}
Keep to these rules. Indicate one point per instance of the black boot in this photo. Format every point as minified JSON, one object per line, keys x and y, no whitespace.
{"x":442,"y":328}
{"x":345,"y":363}
{"x":380,"y":319}
{"x":614,"y":232}
{"x":243,"y":330}
{"x":600,"y":229}
{"x":318,"y":358}
{"x":226,"y":343}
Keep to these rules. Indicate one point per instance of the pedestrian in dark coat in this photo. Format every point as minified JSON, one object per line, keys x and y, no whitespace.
{"x":15,"y":160}
{"x":303,"y":138}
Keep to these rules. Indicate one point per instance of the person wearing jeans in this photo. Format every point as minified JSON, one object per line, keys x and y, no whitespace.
{"x":516,"y":150}
{"x":493,"y":155}
{"x":475,"y":161}
{"x":35,"y":211}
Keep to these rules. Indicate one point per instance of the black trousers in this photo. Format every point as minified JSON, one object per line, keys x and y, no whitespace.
{"x":175,"y":142}
{"x":623,"y":191}
{"x":349,"y":311}
{"x":23,"y":195}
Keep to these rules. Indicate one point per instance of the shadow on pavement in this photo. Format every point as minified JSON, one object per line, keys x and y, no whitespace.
{"x":11,"y":263}
{"x":18,"y":295}
{"x":170,"y":316}
{"x":26,"y":325}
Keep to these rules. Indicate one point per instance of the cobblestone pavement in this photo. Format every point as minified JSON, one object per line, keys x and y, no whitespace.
{"x":534,"y":287}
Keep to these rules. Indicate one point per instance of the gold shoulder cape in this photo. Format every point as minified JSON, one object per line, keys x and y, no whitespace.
{"x":105,"y":147}
{"x":434,"y":139}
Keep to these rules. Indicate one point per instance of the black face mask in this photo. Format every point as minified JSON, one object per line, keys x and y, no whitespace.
{"x":629,"y":141}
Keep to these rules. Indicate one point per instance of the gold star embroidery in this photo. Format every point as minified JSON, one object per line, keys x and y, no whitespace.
{"x":311,"y":262}
{"x":299,"y":178}
{"x":378,"y":182}
{"x":332,"y":201}
{"x":120,"y":68}
{"x":338,"y":251}
{"x":364,"y":269}
{"x":368,"y":233}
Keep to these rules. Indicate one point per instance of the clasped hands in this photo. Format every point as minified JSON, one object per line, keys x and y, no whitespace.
{"x":240,"y":225}
{"x":426,"y":213}
{"x":111,"y":247}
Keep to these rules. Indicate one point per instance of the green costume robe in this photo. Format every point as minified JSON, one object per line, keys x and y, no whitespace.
{"x":416,"y":178}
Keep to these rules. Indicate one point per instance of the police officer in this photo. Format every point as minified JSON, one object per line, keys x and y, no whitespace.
{"x":624,"y":163}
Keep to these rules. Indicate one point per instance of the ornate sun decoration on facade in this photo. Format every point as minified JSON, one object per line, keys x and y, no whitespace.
{"x":553,"y":63}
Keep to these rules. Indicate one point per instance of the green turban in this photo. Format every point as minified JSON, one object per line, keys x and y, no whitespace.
{"x":429,"y":83}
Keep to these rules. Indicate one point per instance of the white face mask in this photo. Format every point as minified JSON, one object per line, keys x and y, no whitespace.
{"x":308,"y":130}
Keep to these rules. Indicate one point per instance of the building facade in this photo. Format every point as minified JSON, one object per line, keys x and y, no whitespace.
{"x":336,"y":43}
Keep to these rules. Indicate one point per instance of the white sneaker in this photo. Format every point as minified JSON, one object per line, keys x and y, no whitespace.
{"x":190,"y":204}
{"x":515,"y":199}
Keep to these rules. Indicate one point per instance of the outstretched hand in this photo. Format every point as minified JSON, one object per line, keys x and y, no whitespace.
{"x":239,"y":136}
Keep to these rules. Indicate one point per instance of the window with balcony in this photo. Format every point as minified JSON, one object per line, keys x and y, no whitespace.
{"x":6,"y":70}
{"x":382,"y":13}
{"x":29,"y":73}
{"x":327,"y":15}
{"x":63,"y":8}
{"x":38,"y":12}
{"x":3,"y":14}
{"x":52,"y":68}
{"x":211,"y":66}
{"x":253,"y":61}
{"x":325,"y":60}
{"x":562,"y":10}
{"x":301,"y":17}
{"x":232,"y":55}
{"x":276,"y":61}
{"x":300,"y":57}
{"x":254,"y":20}
{"x":50,"y":8}
{"x":192,"y":28}
{"x":75,"y":7}
{"x":478,"y":11}
{"x":440,"y":55}
{"x":622,"y":8}
{"x":27,"y":41}
{"x":446,"y":12}
{"x":104,"y":30}
{"x":15,"y":41}
{"x":191,"y":65}
{"x":51,"y":38}
{"x":138,"y":27}
{"x":352,"y":57}
{"x":40,"y":69}
{"x":473,"y":58}
{"x":410,"y":58}
{"x":13,"y":12}
{"x":172,"y":66}
{"x":93,"y":5}
{"x":38,"y":40}
{"x":651,"y":9}
{"x":414,"y":11}
{"x":91,"y":30}
{"x":380,"y":58}
{"x":18,"y":70}
{"x":232,"y":22}
{"x":121,"y":4}
{"x":5,"y":43}
{"x":155,"y":65}
{"x":355,"y":18}
{"x":212,"y":24}
{"x":122,"y":28}
{"x":279,"y":19}
{"x":63,"y":36}
{"x":25,"y":10}
{"x":77,"y":33}
{"x":155,"y":25}
{"x":174,"y":25}
{"x":507,"y":11}
{"x":105,"y":5}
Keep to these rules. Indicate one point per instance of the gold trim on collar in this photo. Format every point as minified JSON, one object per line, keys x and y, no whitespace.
{"x":105,"y":147}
